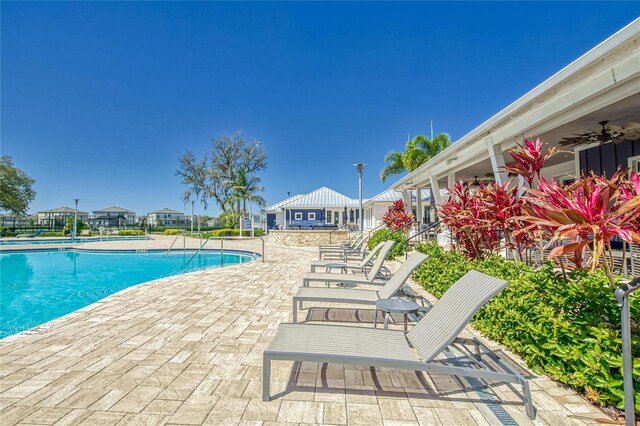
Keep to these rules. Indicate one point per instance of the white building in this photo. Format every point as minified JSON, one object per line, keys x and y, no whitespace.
{"x":603,"y":85}
{"x":166,"y":217}
{"x":375,"y":208}
{"x":319,"y":209}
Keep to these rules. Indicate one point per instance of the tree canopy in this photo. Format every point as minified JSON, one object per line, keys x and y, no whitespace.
{"x":16,"y":188}
{"x":418,"y":151}
{"x":227,"y":173}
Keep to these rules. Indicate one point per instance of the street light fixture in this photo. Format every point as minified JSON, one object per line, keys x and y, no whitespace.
{"x":359,"y":168}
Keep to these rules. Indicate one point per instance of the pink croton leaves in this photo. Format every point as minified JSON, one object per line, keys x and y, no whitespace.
{"x":397,"y":218}
{"x":529,"y":159}
{"x":592,"y":210}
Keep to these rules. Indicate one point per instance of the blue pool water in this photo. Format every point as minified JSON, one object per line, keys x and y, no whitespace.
{"x":36,"y":287}
{"x":64,"y":240}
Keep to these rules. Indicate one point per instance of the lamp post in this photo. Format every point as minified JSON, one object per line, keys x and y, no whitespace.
{"x":75,"y":219}
{"x":193,"y":203}
{"x":360,"y":167}
{"x":251,"y":212}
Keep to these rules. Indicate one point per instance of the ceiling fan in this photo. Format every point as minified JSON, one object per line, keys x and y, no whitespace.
{"x":608,"y":133}
{"x":488,"y":178}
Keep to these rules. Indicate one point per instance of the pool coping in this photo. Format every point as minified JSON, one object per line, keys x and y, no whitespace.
{"x":256,"y":255}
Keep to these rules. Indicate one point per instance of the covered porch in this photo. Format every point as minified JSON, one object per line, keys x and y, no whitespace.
{"x":565,"y":111}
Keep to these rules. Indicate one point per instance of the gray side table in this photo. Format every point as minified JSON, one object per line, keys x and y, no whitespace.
{"x":395,"y":306}
{"x":341,"y":266}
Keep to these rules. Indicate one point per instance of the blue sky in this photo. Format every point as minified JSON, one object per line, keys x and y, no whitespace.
{"x":100,"y":99}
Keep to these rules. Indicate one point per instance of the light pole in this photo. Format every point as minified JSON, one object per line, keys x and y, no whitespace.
{"x":75,"y":219}
{"x":360,"y":167}
{"x":251,"y":212}
{"x":193,"y":203}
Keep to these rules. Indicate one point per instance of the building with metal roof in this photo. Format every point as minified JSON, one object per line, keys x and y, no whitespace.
{"x":375,"y":207}
{"x":319,"y":209}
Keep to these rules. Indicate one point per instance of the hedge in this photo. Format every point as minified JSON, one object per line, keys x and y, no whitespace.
{"x":569,"y":330}
{"x":229,"y":232}
{"x":172,"y":231}
{"x":130,"y":232}
{"x":398,"y":249}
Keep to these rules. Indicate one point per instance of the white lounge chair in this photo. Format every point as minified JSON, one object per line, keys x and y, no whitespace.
{"x":352,"y":295}
{"x":361,"y":267}
{"x":417,"y":350}
{"x":355,"y":251}
{"x":371,"y":276}
{"x":352,"y":242}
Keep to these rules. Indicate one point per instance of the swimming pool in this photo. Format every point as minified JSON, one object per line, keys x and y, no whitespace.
{"x":65,"y":240}
{"x":39,"y":286}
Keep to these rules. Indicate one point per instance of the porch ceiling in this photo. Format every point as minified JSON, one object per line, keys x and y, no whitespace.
{"x":618,"y":114}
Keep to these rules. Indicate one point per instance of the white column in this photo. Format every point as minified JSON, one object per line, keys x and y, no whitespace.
{"x":406,"y":194}
{"x":419,"y":213}
{"x":451,"y":179}
{"x":497,"y":162}
{"x":436,"y":189}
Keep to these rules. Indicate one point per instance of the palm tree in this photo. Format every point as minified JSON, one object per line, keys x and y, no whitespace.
{"x":247,"y":186}
{"x":418,"y":151}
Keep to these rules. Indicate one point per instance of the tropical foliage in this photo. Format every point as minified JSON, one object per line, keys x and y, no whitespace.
{"x":397,"y":218}
{"x":16,"y":188}
{"x":417,"y":152}
{"x":227,"y":173}
{"x":68,"y":226}
{"x":567,"y":329}
{"x":590,"y":212}
{"x":398,"y":249}
{"x":232,"y":232}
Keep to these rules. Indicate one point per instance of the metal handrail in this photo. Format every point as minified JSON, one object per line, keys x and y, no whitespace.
{"x":622,"y":295}
{"x":222,"y":247}
{"x":375,"y":229}
{"x":184,"y":241}
{"x":166,"y":253}
{"x":427,"y":229}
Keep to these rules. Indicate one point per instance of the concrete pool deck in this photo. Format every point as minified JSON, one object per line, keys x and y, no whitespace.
{"x":188,"y":349}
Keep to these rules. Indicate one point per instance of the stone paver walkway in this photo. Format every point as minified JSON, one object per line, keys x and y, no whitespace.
{"x":188,"y":350}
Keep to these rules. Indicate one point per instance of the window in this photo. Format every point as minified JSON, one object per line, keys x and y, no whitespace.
{"x":311,"y":216}
{"x":298,"y":216}
{"x":327,"y":217}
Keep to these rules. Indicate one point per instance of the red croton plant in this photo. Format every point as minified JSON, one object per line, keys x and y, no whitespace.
{"x":589,"y":212}
{"x":397,"y":218}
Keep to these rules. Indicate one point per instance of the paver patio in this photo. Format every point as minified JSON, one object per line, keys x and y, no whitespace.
{"x":188,"y":350}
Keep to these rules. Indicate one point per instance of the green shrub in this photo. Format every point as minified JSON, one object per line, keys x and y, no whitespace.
{"x":172,"y":231}
{"x":229,"y":232}
{"x":6,"y":232}
{"x":130,"y":232}
{"x":68,"y":226}
{"x":52,"y":234}
{"x":569,"y":330}
{"x":398,"y":249}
